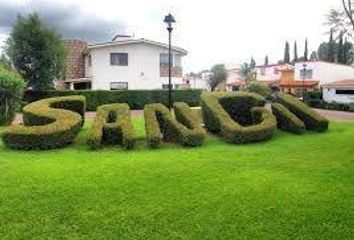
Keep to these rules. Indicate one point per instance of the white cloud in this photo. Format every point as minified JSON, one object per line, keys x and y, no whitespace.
{"x":222,"y":31}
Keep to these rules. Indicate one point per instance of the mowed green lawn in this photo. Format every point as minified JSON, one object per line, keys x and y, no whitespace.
{"x":292,"y":187}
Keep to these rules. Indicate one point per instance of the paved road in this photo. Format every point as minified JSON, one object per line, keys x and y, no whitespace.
{"x":332,"y":115}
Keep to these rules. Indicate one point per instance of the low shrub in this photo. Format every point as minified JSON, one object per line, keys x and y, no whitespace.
{"x":49,"y":123}
{"x":312,"y":120}
{"x":238,"y":117}
{"x":286,"y":120}
{"x":259,"y":88}
{"x":112,"y":125}
{"x":11,"y":87}
{"x":136,"y":99}
{"x":161,"y":125}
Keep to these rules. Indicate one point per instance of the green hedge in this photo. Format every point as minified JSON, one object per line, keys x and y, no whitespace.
{"x":286,"y":120}
{"x":312,"y":120}
{"x":11,"y":87}
{"x":238,"y":117}
{"x":136,"y":99}
{"x":112,"y":125}
{"x":50,"y":123}
{"x":161,"y":125}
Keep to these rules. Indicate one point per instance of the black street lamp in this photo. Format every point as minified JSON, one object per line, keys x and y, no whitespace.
{"x":169,"y":19}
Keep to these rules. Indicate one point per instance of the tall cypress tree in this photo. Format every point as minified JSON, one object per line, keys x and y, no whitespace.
{"x":306,"y":53}
{"x":331,"y":48}
{"x":266,"y":61}
{"x":340,"y":52}
{"x":287,"y":53}
{"x":295,"y":53}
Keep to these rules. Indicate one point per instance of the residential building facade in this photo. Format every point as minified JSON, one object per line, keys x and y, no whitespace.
{"x":339,"y":91}
{"x":124,"y":63}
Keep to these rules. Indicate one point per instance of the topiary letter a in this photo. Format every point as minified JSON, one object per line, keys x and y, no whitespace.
{"x":112,"y":125}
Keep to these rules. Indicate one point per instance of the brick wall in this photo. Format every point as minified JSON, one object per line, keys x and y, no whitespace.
{"x":75,"y":60}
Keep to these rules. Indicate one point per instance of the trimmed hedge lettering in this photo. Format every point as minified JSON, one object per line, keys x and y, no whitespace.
{"x":50,"y":123}
{"x":312,"y":120}
{"x":161,"y":125}
{"x":238,"y":117}
{"x":287,"y":121}
{"x":112,"y":126}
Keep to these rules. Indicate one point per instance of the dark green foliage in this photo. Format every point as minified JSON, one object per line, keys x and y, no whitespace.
{"x":136,"y":99}
{"x":36,"y":51}
{"x":49,"y":123}
{"x":238,"y":117}
{"x":306,"y":51}
{"x":259,"y":88}
{"x":295,"y":53}
{"x":286,"y":53}
{"x":286,"y":120}
{"x":161,"y":125}
{"x":312,"y":120}
{"x":219,"y":75}
{"x":112,"y":125}
{"x":11,"y":87}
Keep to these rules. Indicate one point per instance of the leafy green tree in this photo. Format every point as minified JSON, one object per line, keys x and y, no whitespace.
{"x":247,"y":72}
{"x":253,"y":63}
{"x":11,"y":86}
{"x":287,"y":53}
{"x":295,"y":53}
{"x":5,"y":63}
{"x":313,"y":56}
{"x":306,"y":53}
{"x":36,"y":51}
{"x":219,"y":74}
{"x":259,"y":88}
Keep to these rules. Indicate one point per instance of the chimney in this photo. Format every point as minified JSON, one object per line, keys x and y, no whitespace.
{"x":75,"y":65}
{"x":122,"y":37}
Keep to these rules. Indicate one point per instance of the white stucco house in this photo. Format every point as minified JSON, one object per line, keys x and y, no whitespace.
{"x":339,"y":91}
{"x":121,"y":64}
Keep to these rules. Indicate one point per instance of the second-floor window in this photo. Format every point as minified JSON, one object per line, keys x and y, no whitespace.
{"x":307,"y":74}
{"x":164,"y":59}
{"x":119,"y":59}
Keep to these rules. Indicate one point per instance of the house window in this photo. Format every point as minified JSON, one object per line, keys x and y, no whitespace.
{"x":119,"y":59}
{"x":263,"y":71}
{"x":307,"y":74}
{"x":164,"y":59}
{"x":119,"y":86}
{"x":345,"y":92}
{"x":177,"y":61}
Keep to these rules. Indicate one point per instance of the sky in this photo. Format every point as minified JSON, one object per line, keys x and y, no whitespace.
{"x":222,"y":31}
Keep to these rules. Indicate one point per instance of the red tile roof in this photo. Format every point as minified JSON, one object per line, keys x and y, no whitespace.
{"x":342,"y":83}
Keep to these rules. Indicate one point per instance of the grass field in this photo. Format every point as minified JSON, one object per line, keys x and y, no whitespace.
{"x":292,"y":187}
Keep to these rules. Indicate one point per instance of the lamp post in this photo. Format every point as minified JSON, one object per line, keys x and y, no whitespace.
{"x":303,"y":79}
{"x":169,"y":19}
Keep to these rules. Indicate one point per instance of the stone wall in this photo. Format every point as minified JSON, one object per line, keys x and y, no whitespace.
{"x":75,"y":60}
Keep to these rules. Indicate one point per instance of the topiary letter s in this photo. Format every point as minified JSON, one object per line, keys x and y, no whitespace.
{"x":49,"y":123}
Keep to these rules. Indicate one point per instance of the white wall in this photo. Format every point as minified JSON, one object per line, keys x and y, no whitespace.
{"x":142,"y":72}
{"x":326,"y":72}
{"x":329,"y":95}
{"x":268,"y":73}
